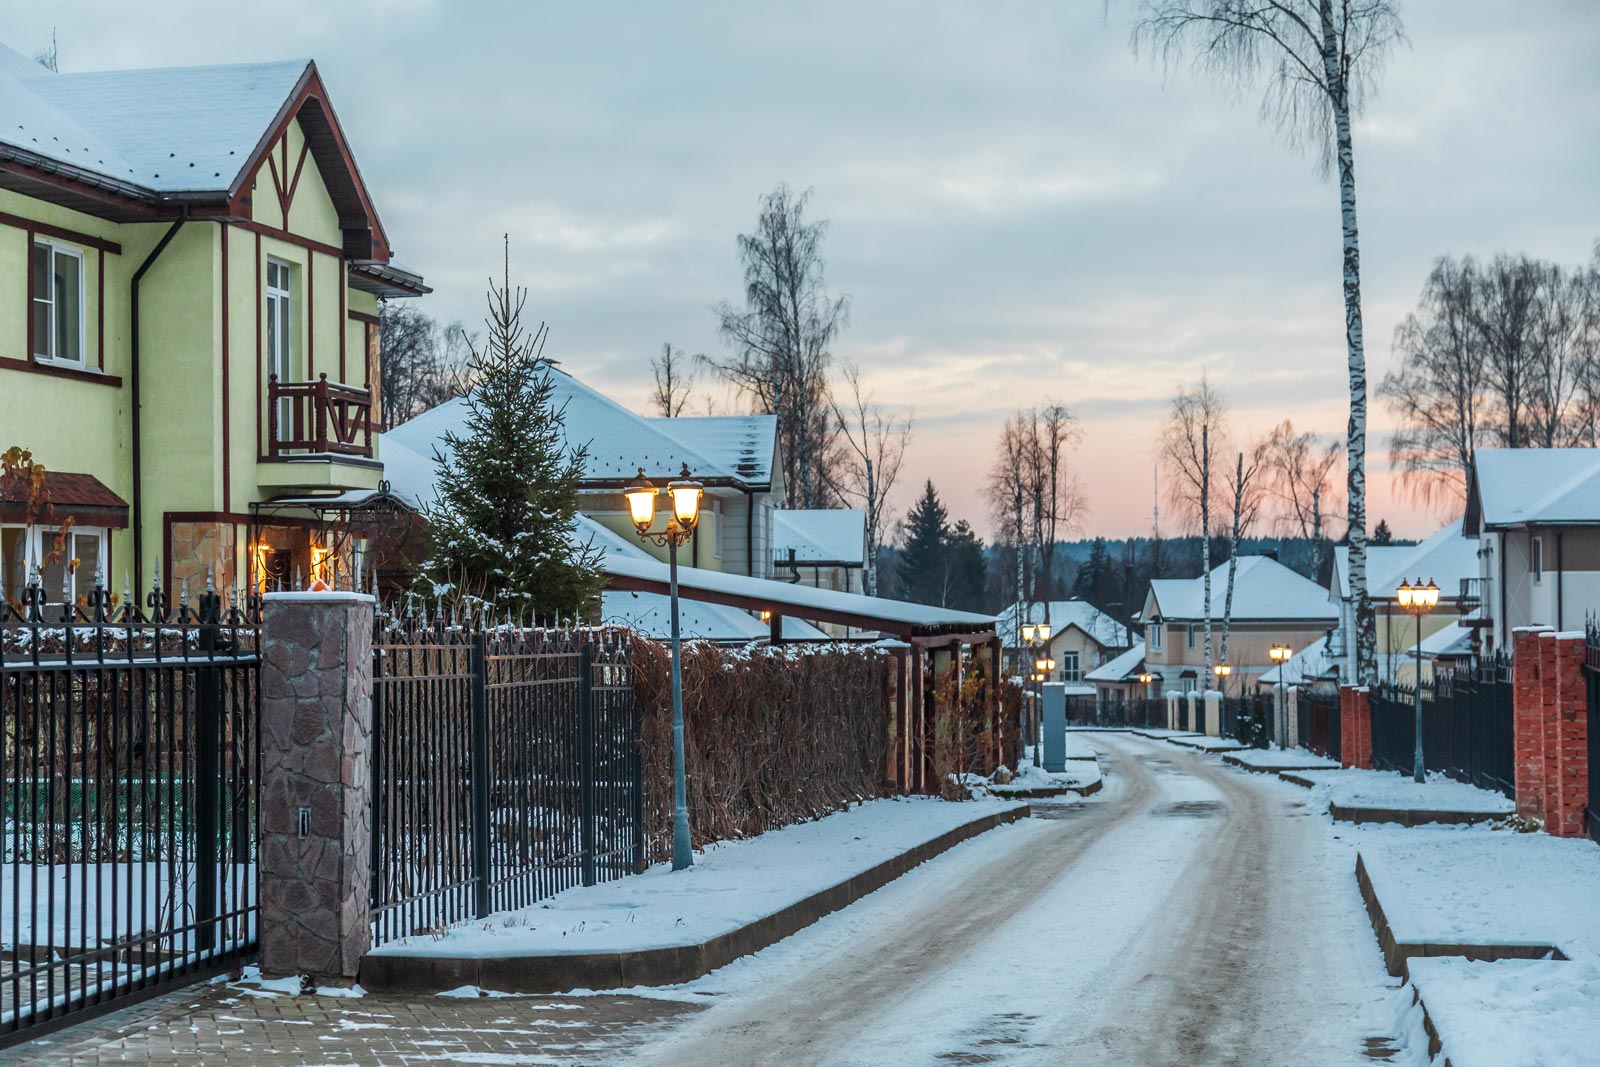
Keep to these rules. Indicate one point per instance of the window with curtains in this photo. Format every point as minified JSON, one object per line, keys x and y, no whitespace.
{"x":58,"y":315}
{"x":82,"y":556}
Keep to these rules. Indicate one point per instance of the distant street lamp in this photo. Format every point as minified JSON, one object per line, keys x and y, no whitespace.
{"x":1034,"y":635}
{"x":1417,"y":600}
{"x":685,"y":514}
{"x":1280,"y":654}
{"x":1222,"y":671}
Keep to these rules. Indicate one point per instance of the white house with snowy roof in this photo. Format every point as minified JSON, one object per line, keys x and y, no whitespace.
{"x":1535,"y":514}
{"x":1082,"y":636}
{"x":1272,"y":605}
{"x":1449,"y":559}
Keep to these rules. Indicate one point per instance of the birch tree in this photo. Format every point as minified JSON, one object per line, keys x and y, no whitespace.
{"x":1008,"y":497}
{"x":782,"y":337}
{"x":1246,"y":489}
{"x":1297,"y":473}
{"x":673,"y":376}
{"x":1195,"y":425}
{"x":874,"y":444}
{"x":1321,"y":60}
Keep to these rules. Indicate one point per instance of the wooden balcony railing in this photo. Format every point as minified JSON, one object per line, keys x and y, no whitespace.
{"x":318,"y":417}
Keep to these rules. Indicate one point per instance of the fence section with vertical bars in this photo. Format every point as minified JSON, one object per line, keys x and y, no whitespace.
{"x":507,"y":767}
{"x":129,"y":799}
{"x":1591,"y":675}
{"x":1467,"y":725}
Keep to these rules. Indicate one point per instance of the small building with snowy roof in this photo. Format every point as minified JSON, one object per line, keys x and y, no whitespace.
{"x":1082,"y":636}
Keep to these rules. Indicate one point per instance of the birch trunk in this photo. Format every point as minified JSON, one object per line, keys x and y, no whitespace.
{"x":1205,"y":540}
{"x":1366,"y":636}
{"x":1233,"y":557}
{"x":874,"y":518}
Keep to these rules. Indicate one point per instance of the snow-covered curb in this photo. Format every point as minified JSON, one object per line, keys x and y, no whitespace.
{"x":1357,"y":795}
{"x":663,"y":927}
{"x":1271,"y":760}
{"x":1207,"y":744}
{"x":1511,"y":1013}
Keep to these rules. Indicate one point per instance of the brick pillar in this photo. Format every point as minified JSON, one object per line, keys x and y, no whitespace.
{"x":1355,"y":727}
{"x":1291,"y":716}
{"x":1527,"y":709}
{"x":316,"y":784}
{"x":1566,"y":734}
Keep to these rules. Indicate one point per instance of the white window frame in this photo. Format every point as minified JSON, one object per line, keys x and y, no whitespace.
{"x":1188,"y":635}
{"x":1536,"y":559}
{"x":49,"y":356}
{"x":716,"y":530}
{"x":38,"y":540}
{"x":280,"y":328}
{"x":1155,"y":637}
{"x":1071,"y":667}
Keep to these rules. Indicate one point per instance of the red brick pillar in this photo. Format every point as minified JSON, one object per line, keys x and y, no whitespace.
{"x":1527,"y":709}
{"x":1355,"y":727}
{"x":1567,"y":784}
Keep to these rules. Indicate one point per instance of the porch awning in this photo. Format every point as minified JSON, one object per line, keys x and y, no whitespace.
{"x":83,"y":498}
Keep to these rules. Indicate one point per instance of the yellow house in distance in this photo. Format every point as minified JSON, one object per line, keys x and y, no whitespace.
{"x":193,"y":263}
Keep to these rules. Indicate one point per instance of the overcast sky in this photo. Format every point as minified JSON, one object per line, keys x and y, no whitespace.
{"x":1020,"y":208}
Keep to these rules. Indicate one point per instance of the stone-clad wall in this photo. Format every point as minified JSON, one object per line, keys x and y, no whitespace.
{"x":316,"y":723}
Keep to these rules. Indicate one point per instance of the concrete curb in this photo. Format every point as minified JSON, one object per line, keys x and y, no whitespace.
{"x":1412,"y":816}
{"x":654,"y":967}
{"x":1295,"y":779}
{"x":1185,"y":742}
{"x":1044,"y":793}
{"x":1237,"y":762}
{"x":1396,"y":953}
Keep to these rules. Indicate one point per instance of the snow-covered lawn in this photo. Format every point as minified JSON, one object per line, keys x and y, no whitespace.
{"x":1080,"y":774}
{"x":1473,"y":884}
{"x":1207,"y":744}
{"x":1279,"y":759}
{"x":732,"y":884}
{"x":1079,"y":747}
{"x":1354,"y":787}
{"x":1512,"y":1013}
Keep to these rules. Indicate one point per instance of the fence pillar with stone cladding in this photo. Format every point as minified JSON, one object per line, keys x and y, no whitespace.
{"x":316,"y":725}
{"x":1527,"y":709}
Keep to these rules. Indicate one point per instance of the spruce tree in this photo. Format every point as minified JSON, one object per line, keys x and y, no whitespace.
{"x":503,"y":524}
{"x":1382,"y":535}
{"x":968,"y":568}
{"x":923,"y":552}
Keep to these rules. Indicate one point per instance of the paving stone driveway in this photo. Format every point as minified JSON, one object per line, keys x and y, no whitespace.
{"x":228,"y":1025}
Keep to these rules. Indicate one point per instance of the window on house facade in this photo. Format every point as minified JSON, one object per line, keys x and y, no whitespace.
{"x":716,"y":528}
{"x":1536,"y":559}
{"x":1189,"y":634}
{"x":21,"y":550}
{"x":1155,"y":637}
{"x":1071,"y":671}
{"x":280,"y":337}
{"x":57,"y":303}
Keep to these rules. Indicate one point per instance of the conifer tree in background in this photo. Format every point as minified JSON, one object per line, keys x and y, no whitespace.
{"x":1381,"y":534}
{"x":503,"y":524}
{"x":922,"y":553}
{"x":966,"y":569}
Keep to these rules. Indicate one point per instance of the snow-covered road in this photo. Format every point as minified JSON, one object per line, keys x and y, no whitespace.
{"x":1190,"y":915}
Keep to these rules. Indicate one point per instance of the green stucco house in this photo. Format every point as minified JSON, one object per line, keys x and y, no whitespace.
{"x":190,"y":270}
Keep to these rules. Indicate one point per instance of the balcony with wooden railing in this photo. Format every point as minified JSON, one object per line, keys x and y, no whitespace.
{"x":318,"y":418}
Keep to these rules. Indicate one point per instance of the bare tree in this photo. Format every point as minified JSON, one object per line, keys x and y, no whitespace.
{"x":1007,"y":492}
{"x":49,"y":58}
{"x":674,"y":378}
{"x":1297,"y":471}
{"x":1195,"y":426}
{"x":421,"y":363}
{"x":782,"y":338}
{"x":874,"y":444}
{"x":1321,"y":59}
{"x":1034,"y":494}
{"x":1248,"y":493}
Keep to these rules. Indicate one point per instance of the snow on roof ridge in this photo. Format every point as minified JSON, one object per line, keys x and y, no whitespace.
{"x":188,"y":68}
{"x":580,"y":384}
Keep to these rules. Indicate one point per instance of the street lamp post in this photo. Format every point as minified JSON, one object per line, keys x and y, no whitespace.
{"x":685,"y":514}
{"x":1222,"y":671}
{"x":1034,"y":635}
{"x":1145,"y":679}
{"x":1417,"y":600}
{"x":1280,"y":654}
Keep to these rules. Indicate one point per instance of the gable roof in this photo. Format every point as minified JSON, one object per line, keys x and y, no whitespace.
{"x":132,"y":145}
{"x":1533,"y":486}
{"x":1119,"y":668}
{"x":619,"y":441}
{"x":1263,"y":590}
{"x":1446,"y":556}
{"x":651,"y":613}
{"x":1103,"y":628}
{"x":1307,"y":665}
{"x":820,"y":535}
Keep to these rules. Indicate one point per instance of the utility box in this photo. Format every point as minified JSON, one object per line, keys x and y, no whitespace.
{"x":1055,"y":726}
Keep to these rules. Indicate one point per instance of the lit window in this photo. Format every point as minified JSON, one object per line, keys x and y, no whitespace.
{"x":57,"y":303}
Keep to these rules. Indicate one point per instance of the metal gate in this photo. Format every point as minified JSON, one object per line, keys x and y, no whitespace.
{"x":129,"y":800}
{"x":506,"y":768}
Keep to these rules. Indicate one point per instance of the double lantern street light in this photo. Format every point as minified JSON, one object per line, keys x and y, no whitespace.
{"x":1035,"y":635}
{"x":1417,"y":600}
{"x":1281,"y":654}
{"x":642,"y":496}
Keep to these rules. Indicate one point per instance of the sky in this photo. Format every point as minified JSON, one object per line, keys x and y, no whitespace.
{"x":1019,"y":207}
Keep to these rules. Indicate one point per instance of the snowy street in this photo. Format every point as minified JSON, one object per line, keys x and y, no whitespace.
{"x":1189,"y":914}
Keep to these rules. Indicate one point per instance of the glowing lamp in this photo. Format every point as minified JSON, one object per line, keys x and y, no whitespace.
{"x":686,"y":494}
{"x":641,"y":497}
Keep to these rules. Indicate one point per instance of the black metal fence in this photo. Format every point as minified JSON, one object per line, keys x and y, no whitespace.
{"x":130,"y":749}
{"x":1467,"y":726}
{"x":506,"y":768}
{"x":1591,"y":674}
{"x":1137,"y":713}
{"x":1319,"y":725}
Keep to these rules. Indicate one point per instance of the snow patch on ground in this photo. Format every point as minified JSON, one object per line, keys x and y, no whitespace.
{"x":1357,"y":788}
{"x":1455,"y":884}
{"x":732,"y":884}
{"x":1512,"y":1013}
{"x":1208,"y":744}
{"x":1281,"y":758}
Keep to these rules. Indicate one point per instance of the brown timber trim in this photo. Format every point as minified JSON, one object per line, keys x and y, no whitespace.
{"x":311,"y":315}
{"x":344,"y":327}
{"x":99,"y":308}
{"x":288,"y":238}
{"x":85,"y":239}
{"x":361,"y":316}
{"x":261,"y":394}
{"x":33,"y":367}
{"x":28,"y":310}
{"x":227,"y":451}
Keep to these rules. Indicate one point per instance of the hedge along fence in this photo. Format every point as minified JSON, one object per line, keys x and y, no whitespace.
{"x":969,"y":735}
{"x":772,"y":736}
